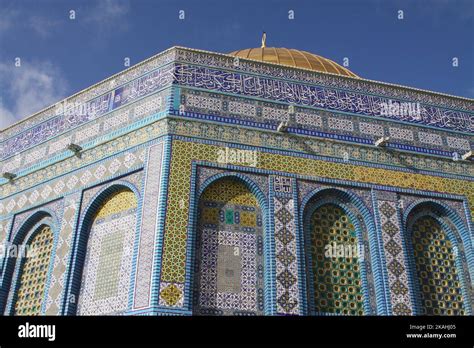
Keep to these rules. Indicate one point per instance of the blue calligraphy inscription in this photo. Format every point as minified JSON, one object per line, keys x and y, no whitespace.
{"x":142,"y":86}
{"x":234,"y":83}
{"x":90,"y":110}
{"x":314,"y":96}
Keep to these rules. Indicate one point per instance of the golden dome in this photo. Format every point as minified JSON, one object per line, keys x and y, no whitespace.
{"x":294,"y":58}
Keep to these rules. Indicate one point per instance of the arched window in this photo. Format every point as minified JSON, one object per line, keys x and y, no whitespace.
{"x":335,"y":266}
{"x":229,"y":273}
{"x":107,"y":265}
{"x":438,"y":280}
{"x":34,"y":273}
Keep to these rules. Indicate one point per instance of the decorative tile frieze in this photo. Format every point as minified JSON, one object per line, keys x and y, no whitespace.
{"x":256,"y":113}
{"x":371,"y":129}
{"x":430,"y":138}
{"x":254,"y":86}
{"x":126,"y":94}
{"x":212,"y":59}
{"x":399,"y":161}
{"x":272,"y":70}
{"x":74,"y":181}
{"x":112,"y":147}
{"x":400,"y":133}
{"x":93,"y":131}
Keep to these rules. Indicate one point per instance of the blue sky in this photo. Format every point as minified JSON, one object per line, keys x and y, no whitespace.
{"x":60,"y":56}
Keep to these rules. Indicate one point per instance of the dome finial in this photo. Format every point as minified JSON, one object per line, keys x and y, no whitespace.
{"x":264,"y":38}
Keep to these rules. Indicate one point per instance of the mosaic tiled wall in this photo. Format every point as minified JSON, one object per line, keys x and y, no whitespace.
{"x":336,"y":276}
{"x":185,"y":152}
{"x":78,"y":179}
{"x":17,"y":222}
{"x":108,"y":262}
{"x":285,"y":246}
{"x":335,"y":150}
{"x":229,"y":264}
{"x":4,"y":229}
{"x":437,"y":276}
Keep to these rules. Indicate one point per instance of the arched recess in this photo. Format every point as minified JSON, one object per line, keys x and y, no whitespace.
{"x":439,"y":247}
{"x":101,"y":262}
{"x":338,"y":223}
{"x":27,"y":270}
{"x":229,"y":255}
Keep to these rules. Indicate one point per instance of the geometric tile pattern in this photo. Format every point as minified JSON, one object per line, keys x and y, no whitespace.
{"x":438,"y":280}
{"x":4,"y":229}
{"x":171,"y":294}
{"x":285,"y":247}
{"x":229,"y":262}
{"x":148,"y":227}
{"x":204,"y":173}
{"x":337,"y":283}
{"x":395,"y":258}
{"x":34,"y":273}
{"x":107,"y":266}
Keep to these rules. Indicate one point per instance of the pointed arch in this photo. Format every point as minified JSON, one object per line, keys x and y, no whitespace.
{"x":439,"y":247}
{"x":26,"y":275}
{"x":99,"y":274}
{"x":230,"y":214}
{"x":364,"y":230}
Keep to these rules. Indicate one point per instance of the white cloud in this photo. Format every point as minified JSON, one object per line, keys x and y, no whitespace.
{"x":108,"y":14}
{"x":43,"y":26}
{"x":8,"y":18}
{"x":28,"y":89}
{"x":103,"y":16}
